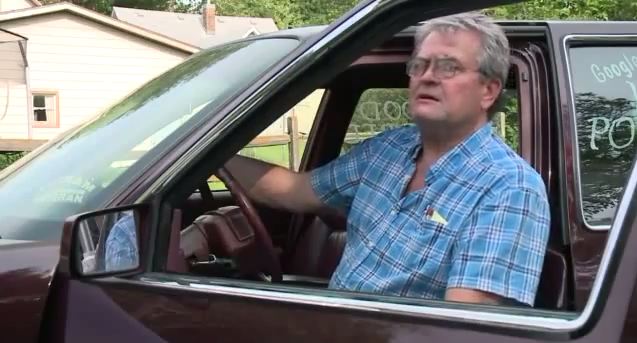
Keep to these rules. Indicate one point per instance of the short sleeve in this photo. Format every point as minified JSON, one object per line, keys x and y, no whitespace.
{"x":501,"y":248}
{"x":335,"y":183}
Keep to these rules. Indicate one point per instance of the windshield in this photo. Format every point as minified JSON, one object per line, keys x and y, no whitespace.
{"x":81,"y":170}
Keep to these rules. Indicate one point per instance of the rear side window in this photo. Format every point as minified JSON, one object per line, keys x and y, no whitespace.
{"x":380,"y":109}
{"x":605,"y":91}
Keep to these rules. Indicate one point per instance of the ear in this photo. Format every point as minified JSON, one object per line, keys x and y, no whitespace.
{"x":490,"y":91}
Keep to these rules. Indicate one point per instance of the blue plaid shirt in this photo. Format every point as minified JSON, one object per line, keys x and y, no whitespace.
{"x":481,"y":221}
{"x":121,"y":245}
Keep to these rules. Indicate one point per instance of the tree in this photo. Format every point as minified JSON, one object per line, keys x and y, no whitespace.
{"x":318,"y":12}
{"x":102,"y":6}
{"x":567,"y":10}
{"x":284,"y":12}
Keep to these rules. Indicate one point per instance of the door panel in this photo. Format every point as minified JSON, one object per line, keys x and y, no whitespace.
{"x":133,"y":310}
{"x":101,"y":313}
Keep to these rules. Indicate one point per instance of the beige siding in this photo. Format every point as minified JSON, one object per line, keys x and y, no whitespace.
{"x":305,"y":110}
{"x":10,"y":5}
{"x":13,"y":96}
{"x":89,"y":65}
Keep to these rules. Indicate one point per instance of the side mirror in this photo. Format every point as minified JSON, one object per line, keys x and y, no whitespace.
{"x":106,"y":242}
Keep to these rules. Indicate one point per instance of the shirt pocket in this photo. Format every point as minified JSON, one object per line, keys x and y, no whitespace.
{"x":424,"y":252}
{"x":434,"y":225}
{"x":435,"y":237}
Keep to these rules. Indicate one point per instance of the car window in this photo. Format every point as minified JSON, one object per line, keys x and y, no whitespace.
{"x":283,"y":142}
{"x":380,"y":109}
{"x":80,"y":171}
{"x":377,"y":110}
{"x":604,"y":82}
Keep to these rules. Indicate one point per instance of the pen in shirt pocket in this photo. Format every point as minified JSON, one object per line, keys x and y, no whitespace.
{"x":432,"y":214}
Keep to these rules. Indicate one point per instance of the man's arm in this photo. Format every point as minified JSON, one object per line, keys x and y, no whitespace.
{"x":275,"y":186}
{"x":472,"y":296}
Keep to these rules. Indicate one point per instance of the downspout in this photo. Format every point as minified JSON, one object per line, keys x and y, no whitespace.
{"x":6,"y":103}
{"x":27,"y":81}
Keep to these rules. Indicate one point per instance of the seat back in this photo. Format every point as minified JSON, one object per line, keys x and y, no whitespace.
{"x":319,"y":250}
{"x":321,"y":246}
{"x":552,"y":290}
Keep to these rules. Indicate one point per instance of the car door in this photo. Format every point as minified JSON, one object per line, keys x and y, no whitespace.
{"x":147,"y":304}
{"x":597,"y":61}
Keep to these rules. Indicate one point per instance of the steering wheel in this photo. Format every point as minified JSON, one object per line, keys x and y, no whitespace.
{"x":263,"y":239}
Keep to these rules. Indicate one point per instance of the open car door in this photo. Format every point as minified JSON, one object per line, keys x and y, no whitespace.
{"x":144,"y":303}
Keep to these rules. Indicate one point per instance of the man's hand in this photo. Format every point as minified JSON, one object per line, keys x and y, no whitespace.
{"x":472,"y":296}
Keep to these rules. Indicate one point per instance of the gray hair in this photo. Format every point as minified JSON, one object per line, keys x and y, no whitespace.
{"x":493,"y":60}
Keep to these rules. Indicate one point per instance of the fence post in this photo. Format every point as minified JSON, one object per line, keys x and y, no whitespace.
{"x":293,"y":143}
{"x":503,"y":124}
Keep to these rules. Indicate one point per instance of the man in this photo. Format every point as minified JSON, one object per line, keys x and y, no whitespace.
{"x":442,"y":209}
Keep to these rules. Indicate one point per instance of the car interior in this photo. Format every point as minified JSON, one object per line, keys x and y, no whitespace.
{"x":221,"y":233}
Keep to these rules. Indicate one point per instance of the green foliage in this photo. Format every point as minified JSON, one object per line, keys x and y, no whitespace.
{"x":316,"y":12}
{"x":286,"y":13}
{"x":509,"y":118}
{"x":378,"y":109}
{"x":102,"y":6}
{"x":8,"y":157}
{"x":567,"y":10}
{"x":292,"y":13}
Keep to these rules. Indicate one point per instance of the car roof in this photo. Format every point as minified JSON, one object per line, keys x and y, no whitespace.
{"x":309,"y":31}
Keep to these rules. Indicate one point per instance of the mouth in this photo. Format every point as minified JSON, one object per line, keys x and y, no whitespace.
{"x":427,"y":97}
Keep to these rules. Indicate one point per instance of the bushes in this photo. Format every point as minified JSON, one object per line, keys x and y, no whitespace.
{"x":8,"y":157}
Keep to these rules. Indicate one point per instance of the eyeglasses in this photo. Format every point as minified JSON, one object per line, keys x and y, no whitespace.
{"x":442,"y":68}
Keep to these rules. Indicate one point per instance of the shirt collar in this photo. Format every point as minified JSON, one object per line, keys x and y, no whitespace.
{"x":455,"y":157}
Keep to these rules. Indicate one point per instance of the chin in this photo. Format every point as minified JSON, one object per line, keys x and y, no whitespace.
{"x":429,"y":117}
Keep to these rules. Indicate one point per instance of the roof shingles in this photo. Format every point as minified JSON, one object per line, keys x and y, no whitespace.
{"x":189,"y":28}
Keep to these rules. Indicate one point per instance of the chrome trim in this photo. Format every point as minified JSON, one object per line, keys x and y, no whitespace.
{"x":592,"y":38}
{"x":358,"y":304}
{"x":242,"y":110}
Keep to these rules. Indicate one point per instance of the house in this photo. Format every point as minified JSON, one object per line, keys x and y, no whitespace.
{"x":62,"y":64}
{"x":10,"y":5}
{"x":202,"y":30}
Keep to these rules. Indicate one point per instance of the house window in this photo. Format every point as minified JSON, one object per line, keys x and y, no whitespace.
{"x":45,"y":109}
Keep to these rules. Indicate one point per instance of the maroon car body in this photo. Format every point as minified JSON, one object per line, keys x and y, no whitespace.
{"x":587,"y":288}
